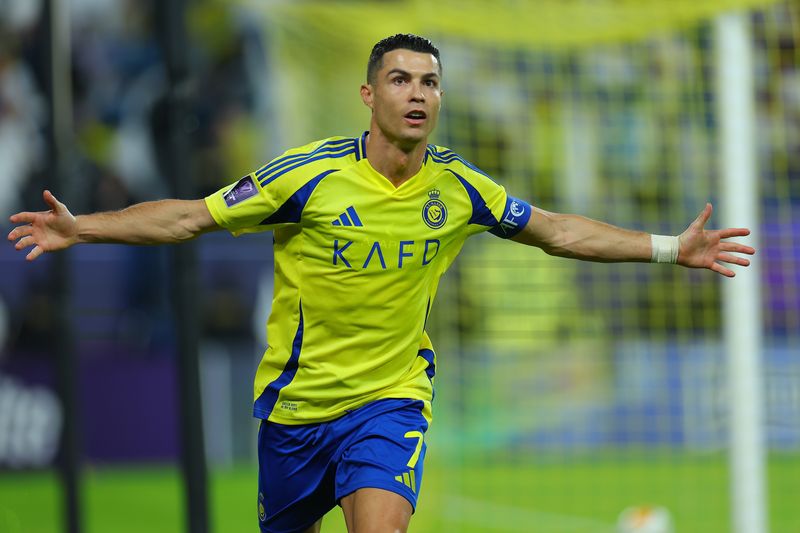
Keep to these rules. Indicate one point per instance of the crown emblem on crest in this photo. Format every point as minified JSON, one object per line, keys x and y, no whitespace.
{"x":434,"y":194}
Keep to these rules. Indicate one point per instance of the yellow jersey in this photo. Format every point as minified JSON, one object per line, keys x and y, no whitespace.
{"x":357,"y":264}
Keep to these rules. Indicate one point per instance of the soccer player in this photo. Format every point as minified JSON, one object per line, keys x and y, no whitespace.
{"x":364,"y":227}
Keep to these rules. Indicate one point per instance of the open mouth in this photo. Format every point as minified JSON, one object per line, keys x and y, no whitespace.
{"x":416,"y":117}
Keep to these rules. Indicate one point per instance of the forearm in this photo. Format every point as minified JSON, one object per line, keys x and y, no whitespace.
{"x":578,"y":237}
{"x":159,"y":222}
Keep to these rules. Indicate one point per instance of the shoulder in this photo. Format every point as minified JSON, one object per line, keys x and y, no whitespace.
{"x":330,"y":144}
{"x":463,"y":169}
{"x":305,"y":162}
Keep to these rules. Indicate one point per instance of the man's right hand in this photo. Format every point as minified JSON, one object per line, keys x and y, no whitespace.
{"x":46,"y":231}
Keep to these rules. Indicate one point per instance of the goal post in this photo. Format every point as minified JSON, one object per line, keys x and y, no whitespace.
{"x":741,"y":296}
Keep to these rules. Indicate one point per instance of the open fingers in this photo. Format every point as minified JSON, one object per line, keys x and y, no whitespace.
{"x":50,"y":200}
{"x":727,"y":272}
{"x":33,"y":254}
{"x":733,"y":232}
{"x":733,"y":259}
{"x":26,"y":217}
{"x":24,"y":243}
{"x":737,"y":248}
{"x":20,"y":231}
{"x":704,"y":215}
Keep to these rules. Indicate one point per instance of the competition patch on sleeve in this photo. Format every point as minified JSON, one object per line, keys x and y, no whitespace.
{"x":245,"y":188}
{"x":515,"y":216}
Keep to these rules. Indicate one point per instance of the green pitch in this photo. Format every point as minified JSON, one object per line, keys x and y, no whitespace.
{"x":465,"y":495}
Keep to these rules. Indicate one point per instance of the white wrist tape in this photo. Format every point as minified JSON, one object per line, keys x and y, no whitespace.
{"x":664,"y":248}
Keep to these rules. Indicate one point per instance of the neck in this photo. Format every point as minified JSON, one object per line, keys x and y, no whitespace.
{"x":395,"y":161}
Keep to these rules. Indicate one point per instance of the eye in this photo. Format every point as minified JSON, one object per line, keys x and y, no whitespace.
{"x":398,"y":80}
{"x":431,"y":83}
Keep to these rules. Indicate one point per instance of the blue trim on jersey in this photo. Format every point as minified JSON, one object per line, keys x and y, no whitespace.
{"x":481,"y":214}
{"x":448,"y":156}
{"x":444,"y":155}
{"x":443,"y":159}
{"x":515,"y":216}
{"x":429,"y":357}
{"x":292,"y":209}
{"x":362,"y":143}
{"x":266,"y":401}
{"x":293,"y":157}
{"x":332,"y":153}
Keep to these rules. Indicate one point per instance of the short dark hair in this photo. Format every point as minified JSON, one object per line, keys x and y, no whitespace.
{"x":405,"y":41}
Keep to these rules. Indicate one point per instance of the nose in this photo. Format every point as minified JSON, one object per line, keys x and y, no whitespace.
{"x":417,"y":94}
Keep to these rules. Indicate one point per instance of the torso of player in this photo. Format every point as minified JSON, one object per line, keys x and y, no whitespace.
{"x":369,"y":245}
{"x":357,"y":264}
{"x":365,"y":262}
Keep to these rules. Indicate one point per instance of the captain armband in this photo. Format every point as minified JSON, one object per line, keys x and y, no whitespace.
{"x":515,"y":217}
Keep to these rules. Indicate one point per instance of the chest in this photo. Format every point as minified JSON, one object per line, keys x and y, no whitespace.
{"x":354,"y":224}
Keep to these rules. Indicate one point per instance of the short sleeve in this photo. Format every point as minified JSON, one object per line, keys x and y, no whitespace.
{"x":277,"y":193}
{"x":241,"y":207}
{"x":493,"y":209}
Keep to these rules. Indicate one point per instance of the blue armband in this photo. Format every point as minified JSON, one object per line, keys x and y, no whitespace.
{"x":516,"y":215}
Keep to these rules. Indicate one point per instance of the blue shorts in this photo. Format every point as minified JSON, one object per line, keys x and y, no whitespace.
{"x":304,"y":471}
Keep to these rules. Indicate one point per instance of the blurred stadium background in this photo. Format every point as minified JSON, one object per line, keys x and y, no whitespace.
{"x":566,"y":391}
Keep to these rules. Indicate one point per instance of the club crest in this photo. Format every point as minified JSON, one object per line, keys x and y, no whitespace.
{"x":434,"y":212}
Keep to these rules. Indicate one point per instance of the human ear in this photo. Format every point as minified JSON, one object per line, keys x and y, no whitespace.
{"x":366,"y":95}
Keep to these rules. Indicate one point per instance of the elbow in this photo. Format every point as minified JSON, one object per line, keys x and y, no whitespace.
{"x":548,"y":248}
{"x":556,"y":251}
{"x":177,"y":232}
{"x":557,"y":244}
{"x":196,"y":220}
{"x":193,"y":222}
{"x":563,"y":244}
{"x":185,"y":231}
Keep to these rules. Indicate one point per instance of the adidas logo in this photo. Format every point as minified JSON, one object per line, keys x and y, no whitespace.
{"x":348,"y":218}
{"x":408,"y":480}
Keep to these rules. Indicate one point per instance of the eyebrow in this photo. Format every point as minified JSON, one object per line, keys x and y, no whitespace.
{"x":427,"y":75}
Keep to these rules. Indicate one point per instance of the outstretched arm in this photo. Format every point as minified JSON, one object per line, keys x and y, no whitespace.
{"x":161,"y":222}
{"x":583,"y":238}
